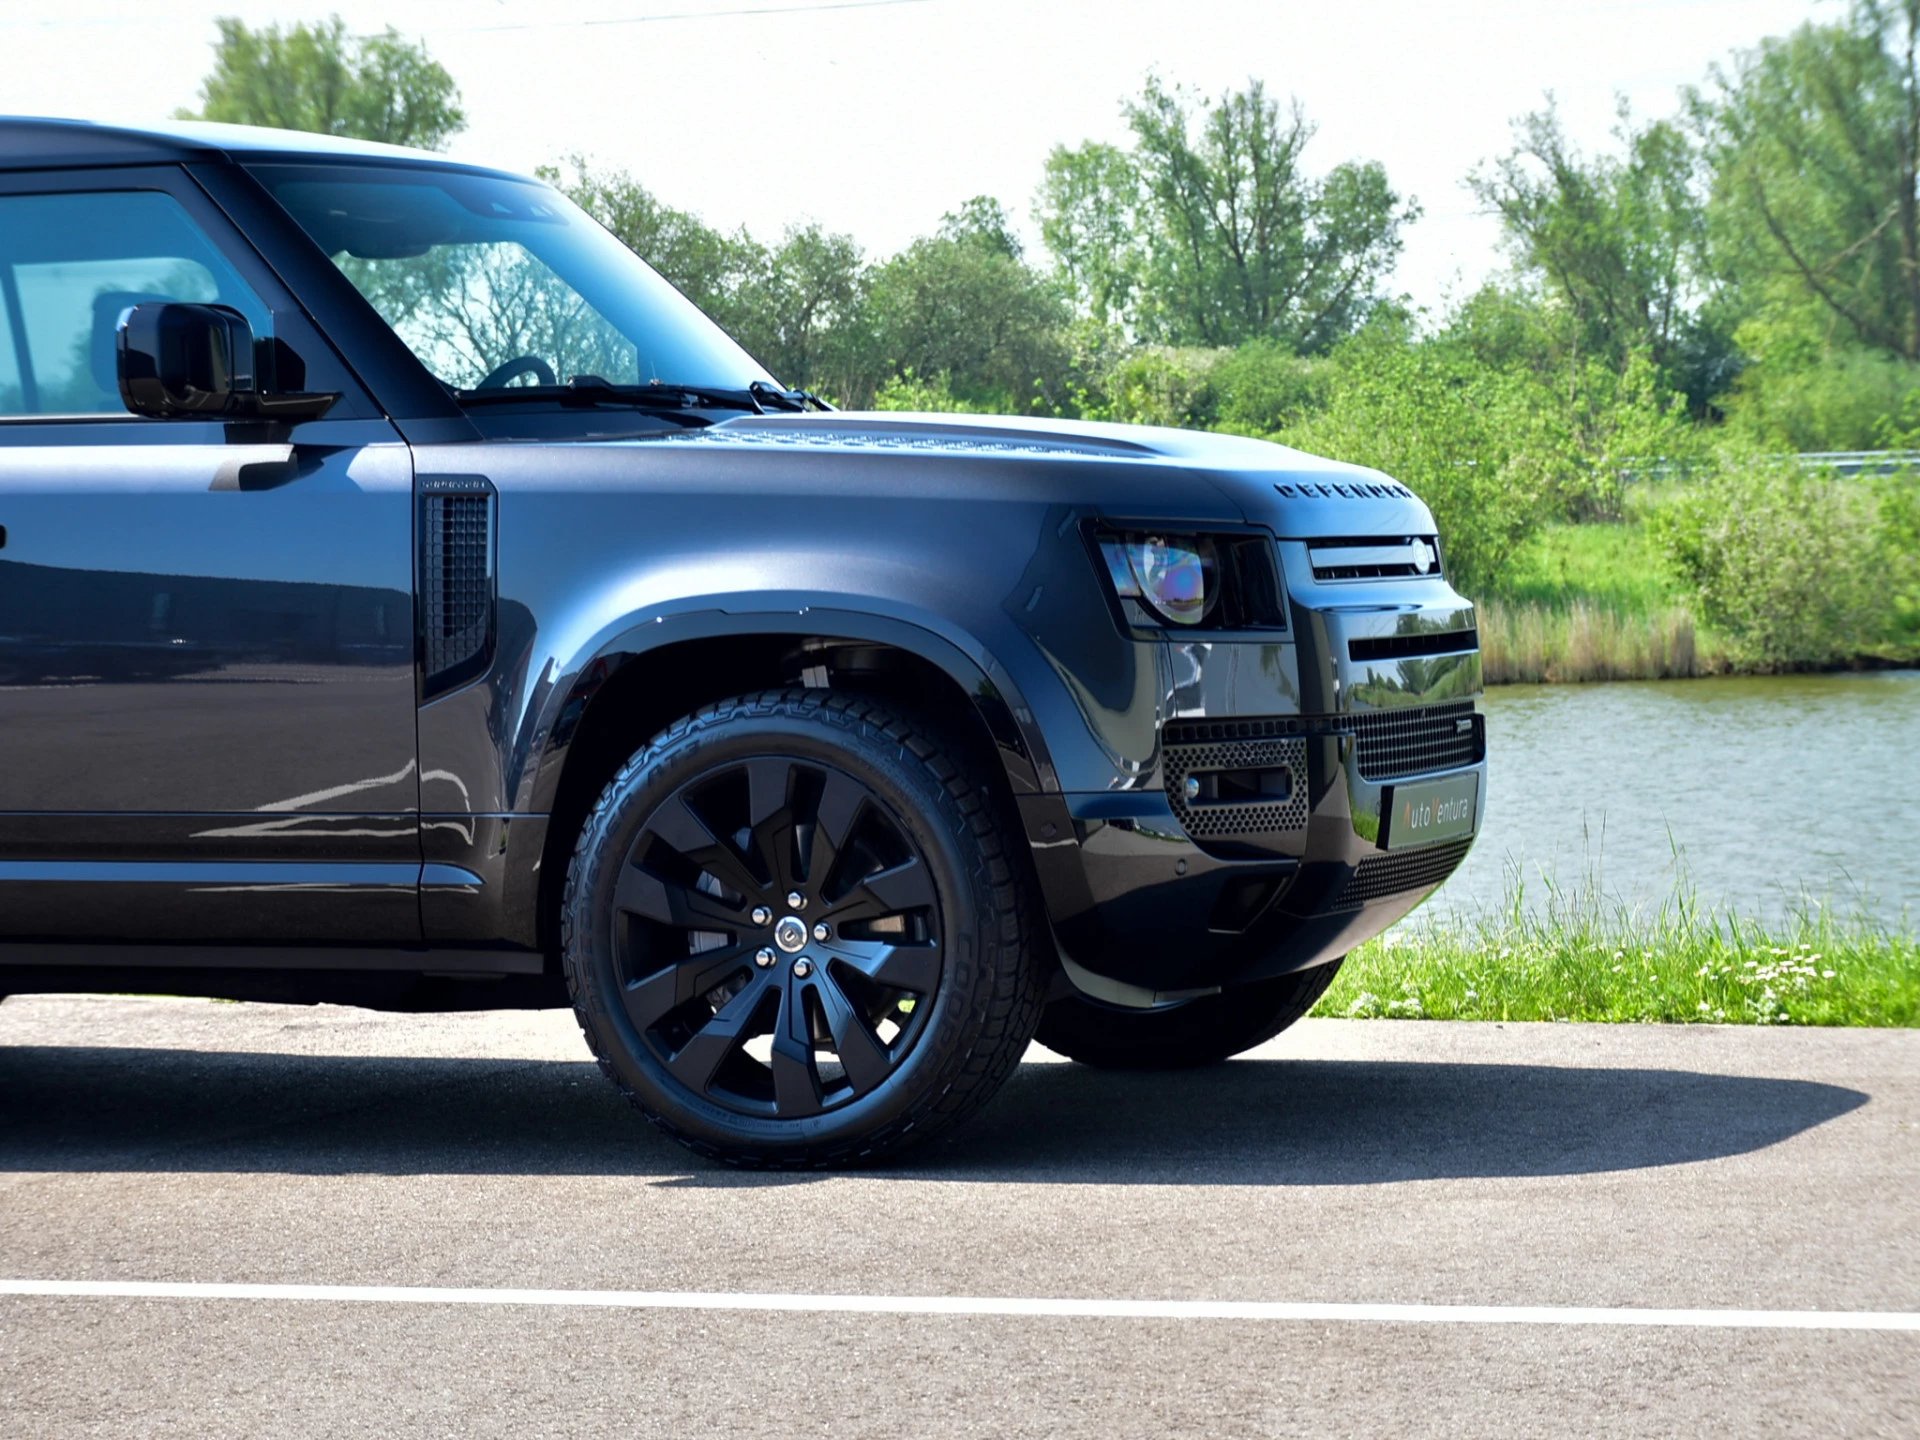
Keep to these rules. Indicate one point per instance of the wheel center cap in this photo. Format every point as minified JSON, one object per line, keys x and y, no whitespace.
{"x":790,"y":934}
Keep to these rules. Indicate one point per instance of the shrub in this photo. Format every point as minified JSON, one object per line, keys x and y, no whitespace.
{"x":1264,"y":387}
{"x":1790,"y":565}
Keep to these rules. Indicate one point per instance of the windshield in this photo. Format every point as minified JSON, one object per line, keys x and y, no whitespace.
{"x":495,"y":282}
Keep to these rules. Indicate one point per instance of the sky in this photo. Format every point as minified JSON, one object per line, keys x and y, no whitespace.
{"x":875,"y":117}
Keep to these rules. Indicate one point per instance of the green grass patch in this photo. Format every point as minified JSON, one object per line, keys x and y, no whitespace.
{"x":1583,"y":957}
{"x":1611,"y":565}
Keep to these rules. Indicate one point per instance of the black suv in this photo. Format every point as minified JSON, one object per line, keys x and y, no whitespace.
{"x":409,"y":599}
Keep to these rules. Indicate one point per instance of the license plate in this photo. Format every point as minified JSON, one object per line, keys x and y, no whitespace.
{"x":1429,"y":810}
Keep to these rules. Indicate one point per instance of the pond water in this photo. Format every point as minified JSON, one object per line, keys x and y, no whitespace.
{"x":1763,"y":791}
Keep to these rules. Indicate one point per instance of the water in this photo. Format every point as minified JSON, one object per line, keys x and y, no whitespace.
{"x":1772,"y":789}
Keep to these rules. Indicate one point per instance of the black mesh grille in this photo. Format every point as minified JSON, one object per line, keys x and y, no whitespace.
{"x":459,"y":582}
{"x":1391,"y":744}
{"x":1388,"y":744}
{"x":1399,"y":871}
{"x":1228,"y":819}
{"x":1263,"y":727}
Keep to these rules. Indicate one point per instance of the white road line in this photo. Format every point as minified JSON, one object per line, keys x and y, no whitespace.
{"x":990,"y":1305}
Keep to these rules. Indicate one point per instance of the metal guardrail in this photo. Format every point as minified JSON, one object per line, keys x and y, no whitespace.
{"x":1840,"y":462}
{"x":1860,"y":462}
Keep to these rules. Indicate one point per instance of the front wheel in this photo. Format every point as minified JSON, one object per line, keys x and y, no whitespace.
{"x":1196,"y":1032}
{"x":795,"y":935}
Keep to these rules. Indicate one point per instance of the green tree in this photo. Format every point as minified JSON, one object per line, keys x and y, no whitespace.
{"x":1814,"y":143}
{"x":1208,"y":231}
{"x":1618,"y":242}
{"x":1088,"y":205}
{"x":804,"y":315}
{"x":320,"y":78}
{"x":962,"y":304}
{"x":709,"y":268}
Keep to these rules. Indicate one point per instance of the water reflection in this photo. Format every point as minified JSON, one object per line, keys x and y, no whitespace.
{"x":1762,"y":789}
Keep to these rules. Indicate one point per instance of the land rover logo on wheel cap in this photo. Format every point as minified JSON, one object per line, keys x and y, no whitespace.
{"x":1423,"y":556}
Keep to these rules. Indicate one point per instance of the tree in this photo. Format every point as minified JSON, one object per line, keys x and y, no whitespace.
{"x":804,"y":315}
{"x":962,"y":304}
{"x":1088,"y":203}
{"x":321,"y":79}
{"x":1618,"y":242}
{"x":1209,"y":232}
{"x":709,"y":268}
{"x":1814,"y":141}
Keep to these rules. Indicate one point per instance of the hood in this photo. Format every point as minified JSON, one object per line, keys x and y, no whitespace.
{"x":1295,"y":494}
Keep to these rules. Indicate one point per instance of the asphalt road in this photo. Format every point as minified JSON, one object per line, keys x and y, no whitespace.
{"x":1383,"y":1163}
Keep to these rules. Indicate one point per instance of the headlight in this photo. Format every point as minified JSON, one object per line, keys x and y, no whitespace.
{"x":1177,"y":576}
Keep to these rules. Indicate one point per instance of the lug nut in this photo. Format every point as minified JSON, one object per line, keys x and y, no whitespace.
{"x":795,"y":900}
{"x":763,"y":958}
{"x":822,"y":931}
{"x":802,"y":968}
{"x":761,"y":915}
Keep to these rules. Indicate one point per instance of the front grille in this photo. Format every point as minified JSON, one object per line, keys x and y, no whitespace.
{"x":1409,"y":557}
{"x":1227,"y":819}
{"x":1392,"y":744}
{"x":1397,"y":872}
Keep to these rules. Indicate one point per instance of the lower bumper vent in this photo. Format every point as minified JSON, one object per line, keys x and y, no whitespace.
{"x":1228,"y":818}
{"x":1379,"y":876}
{"x":1388,"y":744}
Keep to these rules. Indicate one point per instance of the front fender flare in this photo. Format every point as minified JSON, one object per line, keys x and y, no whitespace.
{"x":996,"y":699}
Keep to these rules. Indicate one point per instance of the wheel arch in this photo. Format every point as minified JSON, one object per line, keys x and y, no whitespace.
{"x":647,"y":676}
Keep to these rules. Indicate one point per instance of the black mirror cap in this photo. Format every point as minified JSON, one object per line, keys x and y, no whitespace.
{"x":178,"y":360}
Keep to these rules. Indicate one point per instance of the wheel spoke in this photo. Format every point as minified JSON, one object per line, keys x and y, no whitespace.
{"x":641,"y":892}
{"x":913,"y":968}
{"x":906,"y":886}
{"x":681,"y":827}
{"x":695,"y":1063}
{"x":796,"y":1084}
{"x":770,"y":818}
{"x":653,"y":997}
{"x":842,"y":802}
{"x":861,"y":1054}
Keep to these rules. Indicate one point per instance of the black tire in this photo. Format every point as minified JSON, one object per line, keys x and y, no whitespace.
{"x":1198,"y":1032}
{"x":926,"y":982}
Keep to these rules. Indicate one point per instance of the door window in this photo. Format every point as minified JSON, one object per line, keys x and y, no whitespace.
{"x":70,"y":265}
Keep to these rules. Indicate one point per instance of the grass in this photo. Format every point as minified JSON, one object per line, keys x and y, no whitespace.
{"x":1611,"y":565}
{"x":1585,"y":957}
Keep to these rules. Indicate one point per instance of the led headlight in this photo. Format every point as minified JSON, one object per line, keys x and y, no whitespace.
{"x":1175,"y":576}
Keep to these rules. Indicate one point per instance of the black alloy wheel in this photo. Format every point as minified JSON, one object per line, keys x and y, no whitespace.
{"x":794,"y":939}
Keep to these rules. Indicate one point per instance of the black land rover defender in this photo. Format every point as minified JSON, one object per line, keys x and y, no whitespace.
{"x":408,"y":599}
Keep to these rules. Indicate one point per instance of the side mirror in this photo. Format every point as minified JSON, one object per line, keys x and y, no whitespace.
{"x":177,"y":361}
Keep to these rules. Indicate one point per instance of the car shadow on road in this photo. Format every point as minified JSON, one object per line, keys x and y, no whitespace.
{"x":1249,"y":1122}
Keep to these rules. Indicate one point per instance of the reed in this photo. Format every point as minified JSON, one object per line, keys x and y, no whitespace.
{"x":1529,"y":643}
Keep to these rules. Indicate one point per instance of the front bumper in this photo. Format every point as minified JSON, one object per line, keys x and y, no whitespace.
{"x":1167,"y":898}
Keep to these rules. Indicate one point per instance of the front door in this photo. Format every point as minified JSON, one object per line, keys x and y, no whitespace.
{"x":206,"y":631}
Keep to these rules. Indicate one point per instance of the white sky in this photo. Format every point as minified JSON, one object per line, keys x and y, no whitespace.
{"x":876,"y":118}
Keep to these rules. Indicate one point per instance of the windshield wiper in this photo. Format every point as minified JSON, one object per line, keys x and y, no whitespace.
{"x":787,"y":399}
{"x":589,"y":390}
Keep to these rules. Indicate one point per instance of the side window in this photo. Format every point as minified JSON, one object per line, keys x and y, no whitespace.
{"x":70,"y":265}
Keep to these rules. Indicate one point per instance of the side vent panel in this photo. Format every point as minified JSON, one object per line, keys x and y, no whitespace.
{"x":456,"y":579}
